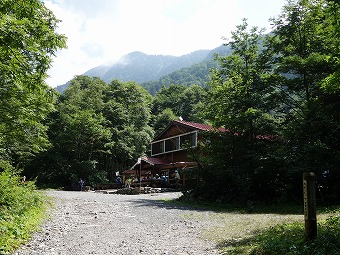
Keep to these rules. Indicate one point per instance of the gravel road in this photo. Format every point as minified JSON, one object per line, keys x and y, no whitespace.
{"x":97,"y":223}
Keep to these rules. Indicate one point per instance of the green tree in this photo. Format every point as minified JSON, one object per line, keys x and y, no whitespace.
{"x":78,"y":132}
{"x":192,"y":97}
{"x":98,"y":129}
{"x":183,"y":101}
{"x":241,"y":99}
{"x":162,"y":120}
{"x":168,"y":97}
{"x":306,"y":44}
{"x":28,"y":40}
{"x":128,"y":111}
{"x":80,"y":110}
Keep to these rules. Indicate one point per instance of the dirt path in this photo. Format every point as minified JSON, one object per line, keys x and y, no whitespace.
{"x":96,"y":223}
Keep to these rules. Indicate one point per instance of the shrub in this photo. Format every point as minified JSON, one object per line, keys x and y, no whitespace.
{"x":21,"y":208}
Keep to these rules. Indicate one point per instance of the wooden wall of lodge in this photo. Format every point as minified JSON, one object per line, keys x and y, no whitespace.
{"x":174,"y":131}
{"x":176,"y":156}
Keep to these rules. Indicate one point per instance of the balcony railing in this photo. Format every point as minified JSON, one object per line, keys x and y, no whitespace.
{"x":174,"y":143}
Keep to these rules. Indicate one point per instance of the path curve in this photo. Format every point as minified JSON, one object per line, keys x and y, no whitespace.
{"x":97,"y":223}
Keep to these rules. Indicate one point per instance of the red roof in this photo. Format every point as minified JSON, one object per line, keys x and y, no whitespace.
{"x":200,"y":126}
{"x":152,"y":161}
{"x":193,"y":125}
{"x":155,"y":161}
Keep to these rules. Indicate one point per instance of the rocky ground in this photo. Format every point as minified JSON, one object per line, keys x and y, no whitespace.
{"x":97,"y":223}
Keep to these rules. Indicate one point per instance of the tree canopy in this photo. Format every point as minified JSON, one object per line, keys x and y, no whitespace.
{"x":183,"y":101}
{"x":278,"y":97}
{"x":28,"y":40}
{"x":97,"y":130}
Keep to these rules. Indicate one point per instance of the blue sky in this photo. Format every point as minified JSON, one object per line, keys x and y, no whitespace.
{"x":102,"y":31}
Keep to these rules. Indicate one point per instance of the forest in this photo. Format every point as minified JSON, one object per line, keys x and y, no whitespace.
{"x":277,"y":94}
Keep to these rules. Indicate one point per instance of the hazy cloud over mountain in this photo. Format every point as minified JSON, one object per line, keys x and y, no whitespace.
{"x":102,"y":31}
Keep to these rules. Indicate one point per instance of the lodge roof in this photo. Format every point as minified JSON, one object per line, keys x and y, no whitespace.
{"x":151,"y":161}
{"x":155,"y":161}
{"x":199,"y":126}
{"x":192,"y":125}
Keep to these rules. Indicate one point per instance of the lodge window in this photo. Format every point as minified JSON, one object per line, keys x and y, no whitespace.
{"x":175,"y":143}
{"x":157,"y":148}
{"x":172,"y":144}
{"x":189,"y":140}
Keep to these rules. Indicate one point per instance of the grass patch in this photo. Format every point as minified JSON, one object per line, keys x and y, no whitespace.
{"x":265,"y":229}
{"x":22,"y":208}
{"x":289,"y":239}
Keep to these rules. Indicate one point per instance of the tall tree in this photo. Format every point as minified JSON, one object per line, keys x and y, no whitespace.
{"x":128,"y":111}
{"x":192,"y":98}
{"x":241,"y":99}
{"x":306,"y":44}
{"x":78,"y":133}
{"x":239,"y":95}
{"x":169,"y":97}
{"x":28,"y":40}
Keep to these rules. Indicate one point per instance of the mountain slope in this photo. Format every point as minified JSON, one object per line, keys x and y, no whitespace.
{"x":198,"y":74}
{"x":140,"y":67}
{"x":154,"y":71}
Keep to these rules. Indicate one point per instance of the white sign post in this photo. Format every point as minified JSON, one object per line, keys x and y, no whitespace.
{"x":140,"y":174}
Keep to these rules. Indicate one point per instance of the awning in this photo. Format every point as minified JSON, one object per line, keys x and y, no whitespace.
{"x":151,"y":161}
{"x":148,"y":162}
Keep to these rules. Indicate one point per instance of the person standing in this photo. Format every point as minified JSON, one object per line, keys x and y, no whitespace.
{"x":164,"y":180}
{"x":119,"y":182}
{"x":81,"y":184}
{"x":178,"y":179}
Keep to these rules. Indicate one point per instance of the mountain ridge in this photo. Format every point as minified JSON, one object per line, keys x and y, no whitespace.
{"x":143,"y":68}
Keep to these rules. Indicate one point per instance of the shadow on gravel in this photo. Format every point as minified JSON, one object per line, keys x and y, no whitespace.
{"x":167,"y":204}
{"x":283,"y":209}
{"x":214,"y":207}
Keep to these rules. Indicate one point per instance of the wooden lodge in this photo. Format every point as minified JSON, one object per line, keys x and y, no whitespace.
{"x":169,"y":154}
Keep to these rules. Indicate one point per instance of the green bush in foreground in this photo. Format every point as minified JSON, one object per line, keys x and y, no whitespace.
{"x":21,"y":209}
{"x":288,"y":239}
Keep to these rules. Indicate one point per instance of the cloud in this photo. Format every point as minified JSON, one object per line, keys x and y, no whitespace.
{"x":101,"y":31}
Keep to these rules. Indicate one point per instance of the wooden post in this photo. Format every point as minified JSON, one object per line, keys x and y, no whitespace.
{"x":183,"y":180}
{"x":309,"y":205}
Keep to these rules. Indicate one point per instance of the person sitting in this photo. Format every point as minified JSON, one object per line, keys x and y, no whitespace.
{"x":128,"y":183}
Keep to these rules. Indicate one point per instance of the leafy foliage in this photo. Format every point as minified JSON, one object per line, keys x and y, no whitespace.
{"x":162,"y":120}
{"x":27,"y":42}
{"x":242,"y":161}
{"x":183,"y":101}
{"x":21,"y":207}
{"x":307,"y":49}
{"x":277,"y":96}
{"x":99,"y":129}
